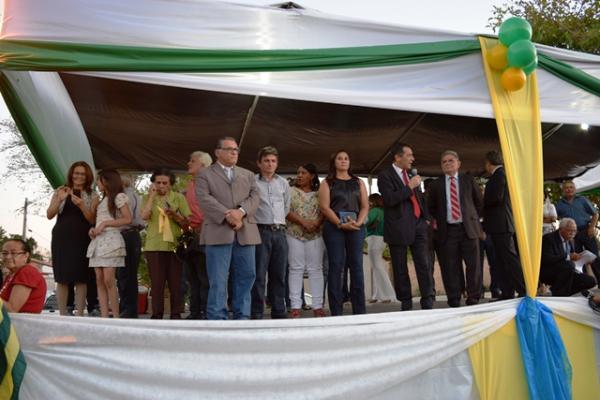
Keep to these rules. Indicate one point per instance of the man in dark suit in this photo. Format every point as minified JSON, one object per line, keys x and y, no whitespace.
{"x":229,"y":198}
{"x":405,"y":224}
{"x":498,"y":223}
{"x":558,"y":269}
{"x":455,"y":205}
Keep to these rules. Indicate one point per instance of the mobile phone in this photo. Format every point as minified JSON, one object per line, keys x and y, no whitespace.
{"x":346,"y":216}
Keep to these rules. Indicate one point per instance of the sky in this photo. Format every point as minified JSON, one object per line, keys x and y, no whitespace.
{"x":470,"y":16}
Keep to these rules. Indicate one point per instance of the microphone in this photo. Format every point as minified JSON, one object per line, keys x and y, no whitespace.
{"x":414,"y":172}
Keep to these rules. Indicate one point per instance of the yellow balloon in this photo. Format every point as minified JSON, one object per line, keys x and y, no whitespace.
{"x":513,"y":79}
{"x":497,"y":58}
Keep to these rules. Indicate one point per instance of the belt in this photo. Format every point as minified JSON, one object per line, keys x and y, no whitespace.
{"x":456,"y":225}
{"x":272,"y":227}
{"x":132,"y":229}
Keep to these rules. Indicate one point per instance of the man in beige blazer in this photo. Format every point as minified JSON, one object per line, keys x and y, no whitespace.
{"x":229,"y":197}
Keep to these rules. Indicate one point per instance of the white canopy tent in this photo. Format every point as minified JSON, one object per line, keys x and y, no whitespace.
{"x":73,"y":77}
{"x":91,"y":115}
{"x":588,"y":181}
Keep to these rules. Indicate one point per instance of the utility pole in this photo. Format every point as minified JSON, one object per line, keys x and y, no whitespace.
{"x":25,"y":219}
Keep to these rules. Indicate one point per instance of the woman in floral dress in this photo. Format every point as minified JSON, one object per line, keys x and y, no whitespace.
{"x":107,"y":248}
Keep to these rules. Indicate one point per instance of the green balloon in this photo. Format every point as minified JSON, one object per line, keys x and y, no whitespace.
{"x":514,"y":29}
{"x":521,"y":53}
{"x":529,"y":68}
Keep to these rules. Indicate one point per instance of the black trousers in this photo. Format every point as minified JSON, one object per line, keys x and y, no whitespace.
{"x":456,"y":248}
{"x":127,"y":277}
{"x":195,"y":270}
{"x":564,"y":280}
{"x":420,"y":252}
{"x":508,"y":262}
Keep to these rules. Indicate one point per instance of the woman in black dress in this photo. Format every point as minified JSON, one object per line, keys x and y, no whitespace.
{"x":75,"y":204}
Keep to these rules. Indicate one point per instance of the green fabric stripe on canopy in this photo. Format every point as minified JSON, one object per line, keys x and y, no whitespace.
{"x":31,"y":134}
{"x":570,"y":74}
{"x":53,"y":56}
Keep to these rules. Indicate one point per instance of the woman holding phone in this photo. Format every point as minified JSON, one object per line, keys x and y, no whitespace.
{"x":74,"y":205}
{"x":166,"y":212}
{"x":345,"y":205}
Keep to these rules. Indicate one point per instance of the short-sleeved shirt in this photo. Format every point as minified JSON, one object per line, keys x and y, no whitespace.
{"x":28,"y":276}
{"x":154,"y":238}
{"x":581,"y":210}
{"x":375,"y":215}
{"x":306,"y":205}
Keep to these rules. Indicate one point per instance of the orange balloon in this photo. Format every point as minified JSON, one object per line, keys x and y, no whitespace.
{"x":513,"y":79}
{"x":497,"y":57}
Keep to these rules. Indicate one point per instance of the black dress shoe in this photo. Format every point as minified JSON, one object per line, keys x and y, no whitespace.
{"x":406,"y":305}
{"x":471,"y":302}
{"x":453,"y":303}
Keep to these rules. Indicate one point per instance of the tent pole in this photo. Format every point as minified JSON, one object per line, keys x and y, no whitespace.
{"x":401,"y":137}
{"x":546,"y":135}
{"x":248,"y":120}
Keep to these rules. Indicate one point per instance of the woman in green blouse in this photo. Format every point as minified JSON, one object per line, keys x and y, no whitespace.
{"x":166,"y":211}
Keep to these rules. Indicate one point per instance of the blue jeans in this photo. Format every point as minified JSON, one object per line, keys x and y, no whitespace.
{"x":219,"y":260}
{"x":345,"y":247}
{"x":271,"y":259}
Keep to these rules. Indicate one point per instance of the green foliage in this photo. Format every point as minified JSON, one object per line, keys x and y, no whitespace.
{"x":573,"y":25}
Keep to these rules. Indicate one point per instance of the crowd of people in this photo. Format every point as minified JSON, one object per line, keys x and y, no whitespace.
{"x":241,"y":240}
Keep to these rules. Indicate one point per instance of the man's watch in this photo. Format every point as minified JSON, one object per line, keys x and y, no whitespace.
{"x":242,"y":210}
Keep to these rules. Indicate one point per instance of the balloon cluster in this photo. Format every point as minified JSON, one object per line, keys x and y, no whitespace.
{"x":515,"y":55}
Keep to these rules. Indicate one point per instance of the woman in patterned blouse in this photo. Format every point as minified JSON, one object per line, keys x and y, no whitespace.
{"x":305,"y":240}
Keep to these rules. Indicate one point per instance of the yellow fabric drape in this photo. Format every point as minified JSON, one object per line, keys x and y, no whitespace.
{"x":164,"y":226}
{"x":519,"y":128}
{"x":579,"y":342}
{"x":496,"y":360}
{"x":497,"y":365}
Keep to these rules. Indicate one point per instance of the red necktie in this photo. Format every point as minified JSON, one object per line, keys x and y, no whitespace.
{"x":454,"y":204}
{"x":413,"y":198}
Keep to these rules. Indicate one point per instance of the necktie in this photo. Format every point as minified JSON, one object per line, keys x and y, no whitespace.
{"x":567,"y":248}
{"x":229,"y":173}
{"x":413,"y":197}
{"x":454,"y":204}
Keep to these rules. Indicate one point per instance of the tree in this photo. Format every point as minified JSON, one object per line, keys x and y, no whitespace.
{"x":569,"y":24}
{"x":21,"y":168}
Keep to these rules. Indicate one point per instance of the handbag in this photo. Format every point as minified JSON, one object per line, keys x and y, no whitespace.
{"x":184,"y":243}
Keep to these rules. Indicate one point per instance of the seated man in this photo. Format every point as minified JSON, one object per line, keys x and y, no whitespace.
{"x":558,"y":269}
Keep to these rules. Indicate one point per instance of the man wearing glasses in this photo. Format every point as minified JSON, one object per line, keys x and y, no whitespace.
{"x":229,"y":197}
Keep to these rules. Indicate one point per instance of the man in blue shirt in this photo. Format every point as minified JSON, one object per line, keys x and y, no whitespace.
{"x":586,"y":217}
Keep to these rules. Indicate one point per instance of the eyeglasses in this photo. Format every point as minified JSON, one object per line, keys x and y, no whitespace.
{"x":6,"y":254}
{"x":230,"y":149}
